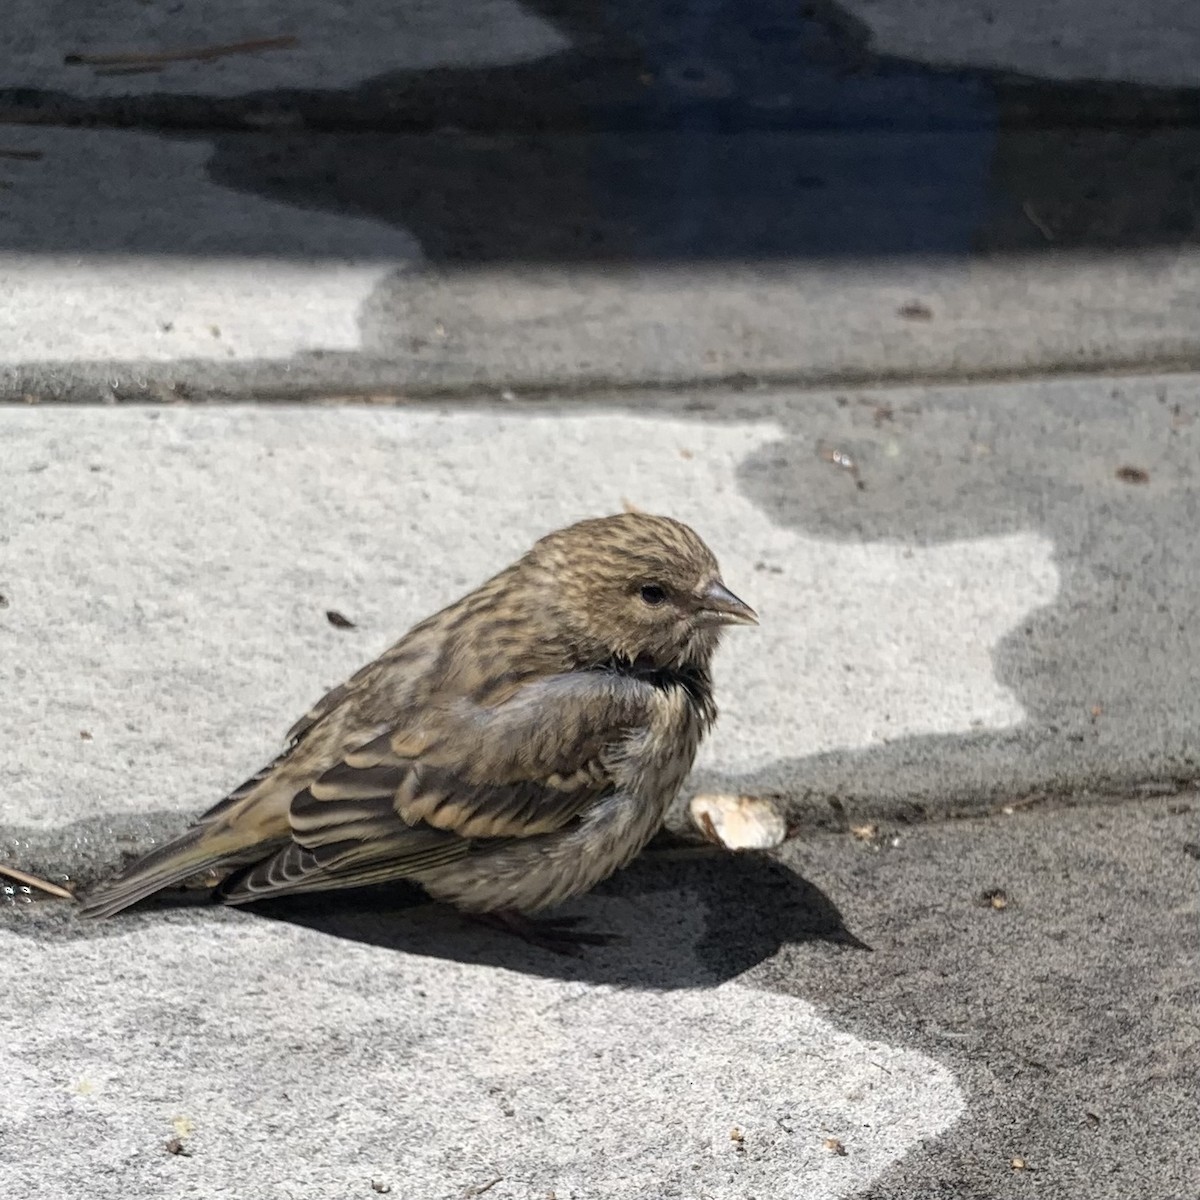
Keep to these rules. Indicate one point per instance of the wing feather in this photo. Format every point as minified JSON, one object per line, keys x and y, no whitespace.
{"x":457,"y":774}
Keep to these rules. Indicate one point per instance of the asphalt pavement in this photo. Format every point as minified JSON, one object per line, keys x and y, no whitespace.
{"x":896,"y":304}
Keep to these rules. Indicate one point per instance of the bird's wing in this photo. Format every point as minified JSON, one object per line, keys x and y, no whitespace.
{"x":418,"y":795}
{"x":410,"y":646}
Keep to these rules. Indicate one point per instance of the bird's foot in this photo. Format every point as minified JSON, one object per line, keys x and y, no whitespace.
{"x":559,"y":935}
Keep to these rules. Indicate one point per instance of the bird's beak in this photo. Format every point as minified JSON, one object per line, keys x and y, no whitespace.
{"x":722,"y":607}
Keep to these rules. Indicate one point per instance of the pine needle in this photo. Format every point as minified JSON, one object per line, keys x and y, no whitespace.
{"x":27,"y":880}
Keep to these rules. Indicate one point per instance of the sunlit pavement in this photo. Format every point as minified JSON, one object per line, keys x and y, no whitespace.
{"x":712,"y":264}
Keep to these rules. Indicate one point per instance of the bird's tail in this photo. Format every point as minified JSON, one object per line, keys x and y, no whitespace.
{"x":248,"y":824}
{"x":201,"y":848}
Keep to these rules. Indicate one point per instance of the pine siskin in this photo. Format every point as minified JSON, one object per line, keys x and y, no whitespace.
{"x":507,"y":753}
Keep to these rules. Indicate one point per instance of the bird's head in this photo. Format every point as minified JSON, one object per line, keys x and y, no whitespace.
{"x":637,"y":587}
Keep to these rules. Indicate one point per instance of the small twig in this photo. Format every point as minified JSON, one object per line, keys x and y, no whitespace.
{"x":480,"y":1188}
{"x":27,"y":880}
{"x":195,"y":54}
{"x":1037,"y":221}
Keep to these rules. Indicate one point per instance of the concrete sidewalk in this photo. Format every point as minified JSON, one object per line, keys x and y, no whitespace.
{"x":1000,"y":613}
{"x":972,"y":1009}
{"x":513,"y":197}
{"x":750,"y":264}
{"x":995,"y":598}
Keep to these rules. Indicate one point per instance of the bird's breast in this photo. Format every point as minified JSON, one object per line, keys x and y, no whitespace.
{"x":656,"y":760}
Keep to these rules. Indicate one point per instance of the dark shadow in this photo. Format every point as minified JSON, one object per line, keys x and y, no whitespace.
{"x":1111,"y":489}
{"x":751,"y":906}
{"x":675,"y":132}
{"x":683,"y":917}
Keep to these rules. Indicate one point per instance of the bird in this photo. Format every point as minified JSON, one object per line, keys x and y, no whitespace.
{"x":507,"y":754}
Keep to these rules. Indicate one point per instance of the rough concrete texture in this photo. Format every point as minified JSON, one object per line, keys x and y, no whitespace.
{"x":976,"y":600}
{"x":968,"y":596}
{"x":212,"y":298}
{"x":331,"y":45}
{"x":341,"y":44}
{"x":497,"y":196}
{"x":996,"y":610}
{"x":441,"y":1074}
{"x":972,"y":1009}
{"x":1158,"y":42}
{"x":133,"y":270}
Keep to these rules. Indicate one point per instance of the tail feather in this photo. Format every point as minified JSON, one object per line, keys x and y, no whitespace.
{"x":198,"y":849}
{"x":251,"y":823}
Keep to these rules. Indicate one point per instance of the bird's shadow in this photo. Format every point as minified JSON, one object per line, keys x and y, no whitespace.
{"x":680,"y":916}
{"x":677,"y":921}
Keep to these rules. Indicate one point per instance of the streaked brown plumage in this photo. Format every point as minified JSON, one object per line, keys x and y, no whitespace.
{"x":507,"y":753}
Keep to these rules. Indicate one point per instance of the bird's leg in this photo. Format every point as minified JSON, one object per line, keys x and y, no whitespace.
{"x":559,"y":935}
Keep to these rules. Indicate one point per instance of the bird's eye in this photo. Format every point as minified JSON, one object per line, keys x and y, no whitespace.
{"x":653,"y":595}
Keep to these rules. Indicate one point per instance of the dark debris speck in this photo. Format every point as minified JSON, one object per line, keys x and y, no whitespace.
{"x":1133,"y":475}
